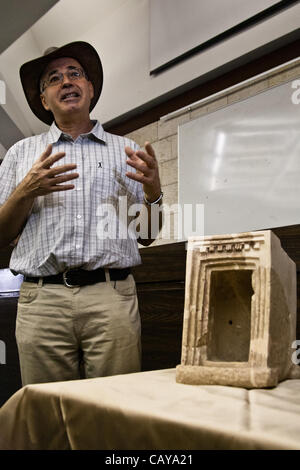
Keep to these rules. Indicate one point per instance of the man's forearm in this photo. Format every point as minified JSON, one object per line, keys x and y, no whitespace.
{"x":13,"y":216}
{"x":42,"y":179}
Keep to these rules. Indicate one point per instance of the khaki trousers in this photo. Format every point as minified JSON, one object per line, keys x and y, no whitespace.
{"x":80,"y":332}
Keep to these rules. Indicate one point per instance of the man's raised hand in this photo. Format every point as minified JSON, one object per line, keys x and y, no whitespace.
{"x":42,"y":179}
{"x":147,"y":170}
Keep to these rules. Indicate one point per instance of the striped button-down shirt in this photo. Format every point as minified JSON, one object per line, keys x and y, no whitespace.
{"x":80,"y":227}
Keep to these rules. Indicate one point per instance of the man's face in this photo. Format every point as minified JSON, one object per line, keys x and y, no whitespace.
{"x":68,"y":96}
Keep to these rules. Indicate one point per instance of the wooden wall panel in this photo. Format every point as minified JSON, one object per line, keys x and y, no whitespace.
{"x":290,"y":242}
{"x":160,"y":287}
{"x":161,"y":306}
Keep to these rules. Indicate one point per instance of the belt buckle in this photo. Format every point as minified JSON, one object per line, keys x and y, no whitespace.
{"x":65,"y":273}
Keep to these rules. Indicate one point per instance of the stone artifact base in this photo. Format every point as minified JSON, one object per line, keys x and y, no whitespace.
{"x":244,"y":377}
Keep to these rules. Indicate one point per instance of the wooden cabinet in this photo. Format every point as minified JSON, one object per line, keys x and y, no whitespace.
{"x":160,"y":287}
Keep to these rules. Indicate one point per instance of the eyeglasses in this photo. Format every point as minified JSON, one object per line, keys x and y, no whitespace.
{"x":58,"y":77}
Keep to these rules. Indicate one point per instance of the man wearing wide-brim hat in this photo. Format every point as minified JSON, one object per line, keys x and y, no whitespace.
{"x":60,"y":196}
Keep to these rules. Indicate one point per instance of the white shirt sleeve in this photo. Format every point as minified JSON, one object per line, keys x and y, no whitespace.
{"x":8,"y":174}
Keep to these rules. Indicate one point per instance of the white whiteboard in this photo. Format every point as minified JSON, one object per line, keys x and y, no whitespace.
{"x":243,"y":163}
{"x":177,"y":26}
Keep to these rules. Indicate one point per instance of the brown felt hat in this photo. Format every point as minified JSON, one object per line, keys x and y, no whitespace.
{"x":31,"y":73}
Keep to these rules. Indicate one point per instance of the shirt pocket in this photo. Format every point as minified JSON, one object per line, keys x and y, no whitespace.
{"x":105,"y":186}
{"x":112,"y":187}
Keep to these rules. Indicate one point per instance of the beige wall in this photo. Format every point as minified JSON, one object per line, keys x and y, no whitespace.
{"x":163,"y":133}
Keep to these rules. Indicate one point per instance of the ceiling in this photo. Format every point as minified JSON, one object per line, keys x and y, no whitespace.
{"x":16,"y":18}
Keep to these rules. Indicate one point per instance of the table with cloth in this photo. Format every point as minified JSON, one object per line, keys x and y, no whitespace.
{"x":149,"y":410}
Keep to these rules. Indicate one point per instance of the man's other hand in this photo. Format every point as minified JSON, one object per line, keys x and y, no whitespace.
{"x":147,"y":170}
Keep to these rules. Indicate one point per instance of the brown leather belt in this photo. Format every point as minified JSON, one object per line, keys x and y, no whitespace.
{"x":81,"y":277}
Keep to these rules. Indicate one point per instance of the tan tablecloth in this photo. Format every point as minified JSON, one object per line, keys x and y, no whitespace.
{"x":149,"y":410}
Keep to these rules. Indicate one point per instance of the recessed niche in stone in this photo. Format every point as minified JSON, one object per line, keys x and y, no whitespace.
{"x":229,"y":315}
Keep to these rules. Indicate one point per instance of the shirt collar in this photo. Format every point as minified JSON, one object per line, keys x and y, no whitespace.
{"x":54,"y":133}
{"x":98,"y":132}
